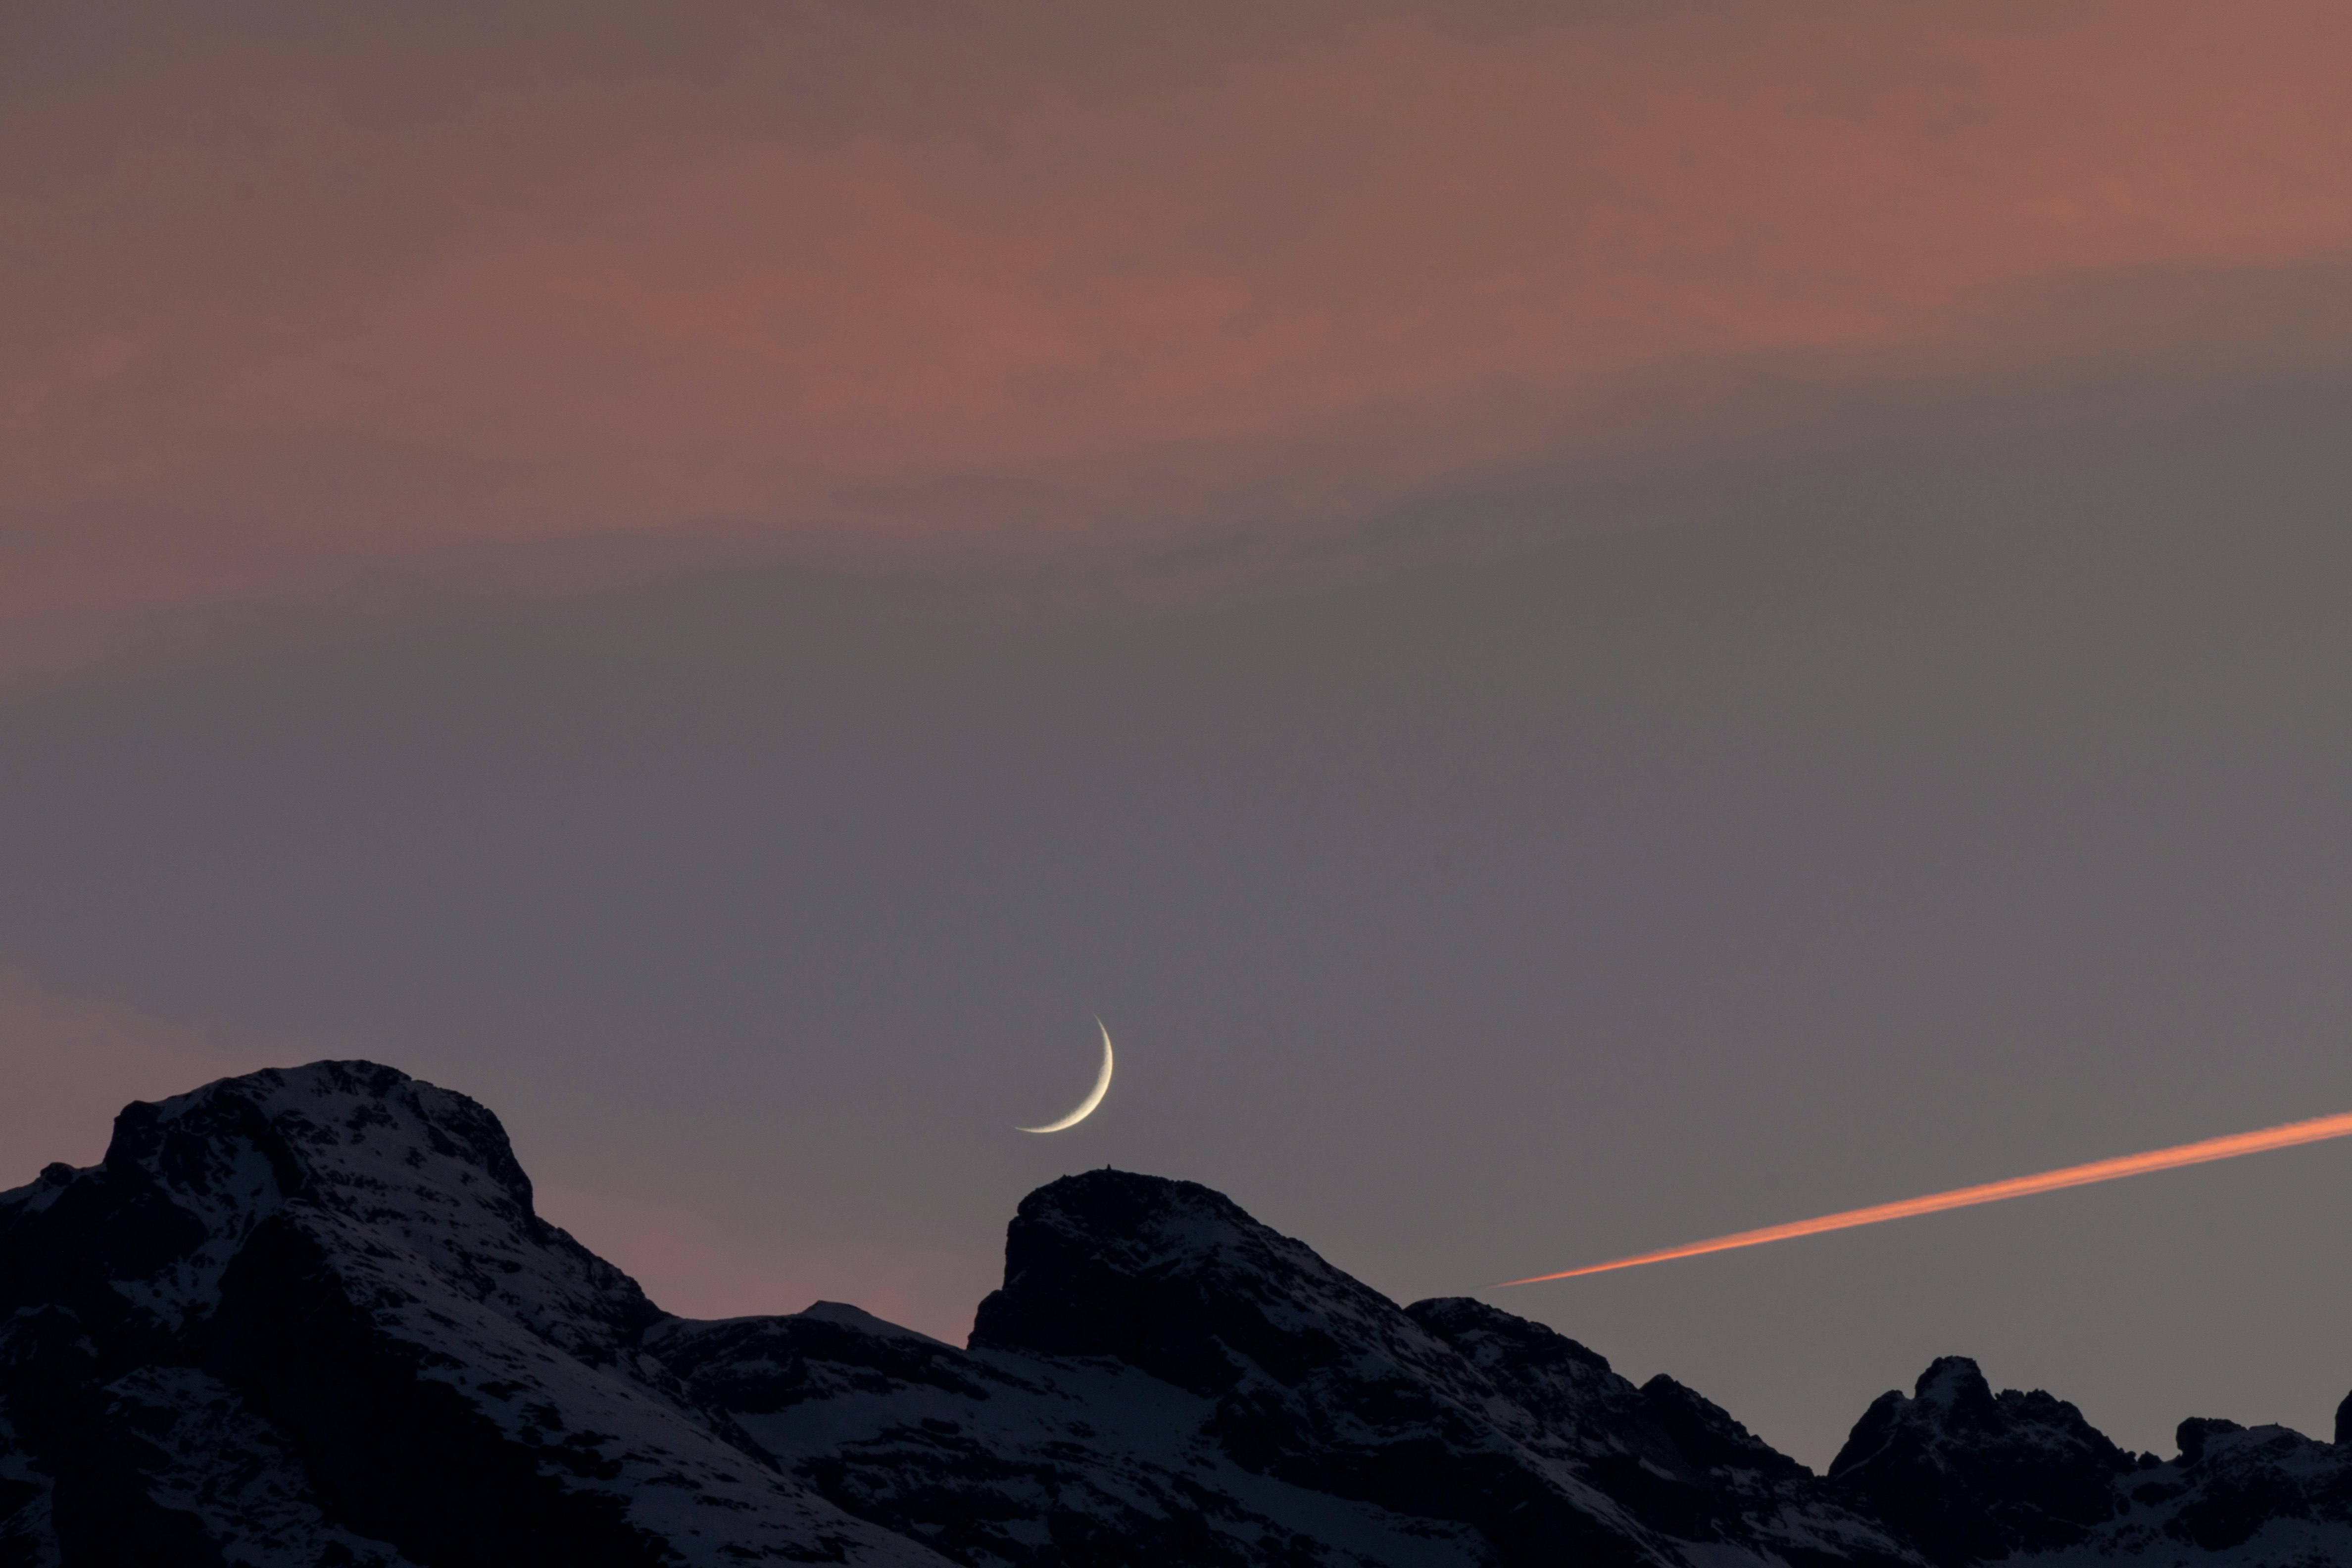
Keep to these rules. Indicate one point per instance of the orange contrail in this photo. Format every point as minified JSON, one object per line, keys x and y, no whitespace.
{"x":2236,"y":1143}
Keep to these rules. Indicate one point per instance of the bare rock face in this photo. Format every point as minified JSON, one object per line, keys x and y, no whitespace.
{"x":1968,"y":1475}
{"x":310,"y":1317}
{"x":1971,"y":1475}
{"x":1313,"y":1378}
{"x":1678,"y":1463}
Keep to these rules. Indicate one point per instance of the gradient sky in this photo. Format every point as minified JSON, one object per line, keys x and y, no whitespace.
{"x":1585,"y":626}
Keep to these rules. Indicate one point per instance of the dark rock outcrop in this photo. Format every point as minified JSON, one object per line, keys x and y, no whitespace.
{"x":310,"y":1316}
{"x":1970,"y":1476}
{"x":1449,"y":1411}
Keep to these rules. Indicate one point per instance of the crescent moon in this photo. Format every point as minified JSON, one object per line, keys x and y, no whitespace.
{"x":1094,"y":1096}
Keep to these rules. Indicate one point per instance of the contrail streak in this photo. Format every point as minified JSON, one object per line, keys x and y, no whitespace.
{"x":2228,"y":1148}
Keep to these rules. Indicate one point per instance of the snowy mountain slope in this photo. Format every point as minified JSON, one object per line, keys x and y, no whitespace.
{"x":309,"y":1318}
{"x":1164,"y":1380}
{"x":1003,"y":1458}
{"x":1320,"y":1380}
{"x":1673,"y":1458}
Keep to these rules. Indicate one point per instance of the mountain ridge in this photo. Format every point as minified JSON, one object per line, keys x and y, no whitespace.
{"x":310,"y":1316}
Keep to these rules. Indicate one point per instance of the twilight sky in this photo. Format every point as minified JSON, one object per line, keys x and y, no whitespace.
{"x":1585,"y":626}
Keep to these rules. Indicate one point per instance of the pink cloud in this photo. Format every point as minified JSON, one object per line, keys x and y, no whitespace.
{"x":289,"y":308}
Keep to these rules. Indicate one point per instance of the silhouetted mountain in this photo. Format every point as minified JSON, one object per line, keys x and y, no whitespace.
{"x":1967,"y":1476}
{"x":309,"y":1318}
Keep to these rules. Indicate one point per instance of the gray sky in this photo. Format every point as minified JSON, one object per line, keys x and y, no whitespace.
{"x":1543,"y":871}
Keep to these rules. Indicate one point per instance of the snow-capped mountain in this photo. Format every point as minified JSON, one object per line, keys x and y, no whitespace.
{"x":309,"y":1318}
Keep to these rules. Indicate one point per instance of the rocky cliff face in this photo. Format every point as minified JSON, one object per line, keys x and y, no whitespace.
{"x":1449,"y":1410}
{"x":311,"y":1317}
{"x":1967,"y":1476}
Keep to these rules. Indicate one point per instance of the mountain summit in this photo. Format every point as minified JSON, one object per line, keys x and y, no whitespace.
{"x":310,"y":1317}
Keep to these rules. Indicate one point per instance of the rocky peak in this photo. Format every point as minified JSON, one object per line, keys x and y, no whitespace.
{"x":1970,"y":1475}
{"x":351,"y":1146}
{"x":309,"y":1316}
{"x":2191,"y":1435}
{"x":1451,"y":1410}
{"x":1317,"y":1380}
{"x":1178,"y":1280}
{"x":1953,"y":1394}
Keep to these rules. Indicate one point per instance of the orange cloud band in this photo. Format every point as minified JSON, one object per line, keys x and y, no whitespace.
{"x":2312,"y":1132}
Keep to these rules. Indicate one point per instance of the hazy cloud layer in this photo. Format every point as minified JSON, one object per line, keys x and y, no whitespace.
{"x":290,"y":297}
